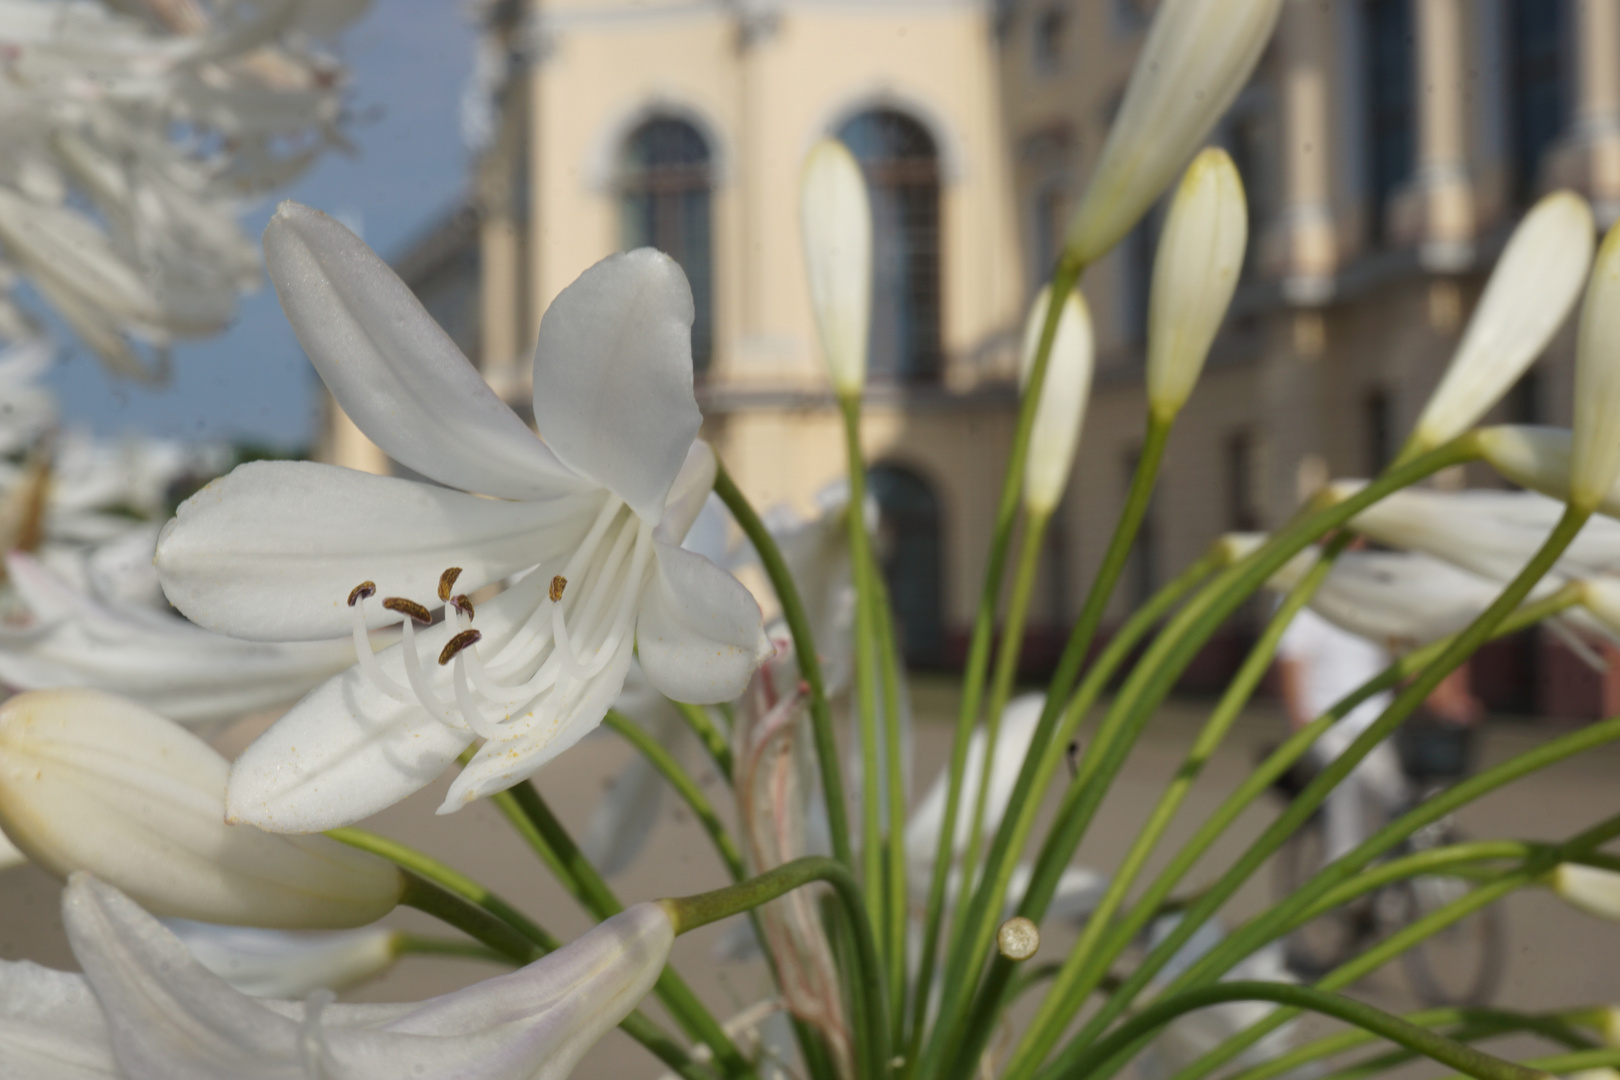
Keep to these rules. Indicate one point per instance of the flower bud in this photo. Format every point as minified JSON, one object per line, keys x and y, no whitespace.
{"x":1530,"y":292}
{"x":1593,"y":890}
{"x":90,"y":781}
{"x":1194,"y":275}
{"x":1234,"y":547}
{"x":1601,"y":597}
{"x":1595,"y":462}
{"x":1064,"y":392}
{"x":1197,"y":56}
{"x":281,"y":964}
{"x":1538,"y":458}
{"x":835,"y":218}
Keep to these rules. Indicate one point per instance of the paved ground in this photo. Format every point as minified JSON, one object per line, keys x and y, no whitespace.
{"x":1557,"y":956}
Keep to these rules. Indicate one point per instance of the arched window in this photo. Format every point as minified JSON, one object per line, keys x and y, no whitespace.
{"x":909,"y":549}
{"x":664,"y":183}
{"x":1391,"y":113}
{"x":902,"y":173}
{"x":1535,"y":86}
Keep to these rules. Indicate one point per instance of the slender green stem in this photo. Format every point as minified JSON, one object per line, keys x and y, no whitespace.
{"x":709,"y":734}
{"x":1466,"y":1059}
{"x":475,"y":921}
{"x":804,"y":650}
{"x":1064,"y":279}
{"x":426,"y":945}
{"x":678,"y":778}
{"x":897,"y":893}
{"x":691,"y":912}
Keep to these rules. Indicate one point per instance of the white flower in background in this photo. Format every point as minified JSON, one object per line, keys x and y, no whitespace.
{"x":145,"y":1007}
{"x":89,"y":781}
{"x":284,"y":964}
{"x":10,"y":854}
{"x":1595,"y":457}
{"x":1196,"y":58}
{"x":1530,"y":292}
{"x":27,"y":407}
{"x":1195,"y":273}
{"x":591,"y":517}
{"x":627,"y":813}
{"x":176,"y":669}
{"x":1594,"y":890}
{"x":1065,"y":390}
{"x":835,"y":225}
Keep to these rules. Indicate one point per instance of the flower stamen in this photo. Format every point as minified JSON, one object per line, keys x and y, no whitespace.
{"x":457,"y":643}
{"x":367,"y":659}
{"x":363,"y":591}
{"x":415,"y":612}
{"x":447,"y":581}
{"x":558,"y":584}
{"x":462,"y":605}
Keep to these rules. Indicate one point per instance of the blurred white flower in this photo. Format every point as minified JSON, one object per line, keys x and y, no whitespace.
{"x":1394,"y":598}
{"x":835,"y":220}
{"x":1061,"y":411}
{"x":1595,"y":456}
{"x":10,"y":854}
{"x":1594,"y":890}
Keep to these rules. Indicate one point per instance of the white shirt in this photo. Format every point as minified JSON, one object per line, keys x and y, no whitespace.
{"x":1331,"y":663}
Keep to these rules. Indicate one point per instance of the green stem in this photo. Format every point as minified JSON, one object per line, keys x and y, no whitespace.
{"x":709,"y":734}
{"x":426,"y":945}
{"x":804,"y":650}
{"x":898,"y":895}
{"x":678,"y":778}
{"x":475,"y":921}
{"x":1466,"y":1059}
{"x":871,"y":1036}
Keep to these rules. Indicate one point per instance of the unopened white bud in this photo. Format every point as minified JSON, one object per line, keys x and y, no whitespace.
{"x":1538,"y":458}
{"x":1018,"y":938}
{"x":1061,"y":411}
{"x":1196,"y":58}
{"x":91,"y":781}
{"x":1196,"y":271}
{"x":284,"y":964}
{"x":1595,"y":463}
{"x":1593,"y":890}
{"x":835,"y":218}
{"x":1235,"y":547}
{"x":1530,"y":292}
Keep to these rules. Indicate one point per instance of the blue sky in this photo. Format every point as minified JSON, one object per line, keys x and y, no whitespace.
{"x":408,"y":60}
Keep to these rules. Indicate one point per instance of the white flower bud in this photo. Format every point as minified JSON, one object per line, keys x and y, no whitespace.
{"x":1062,"y":409}
{"x":90,"y":781}
{"x":1538,"y":458}
{"x":282,"y":964}
{"x":1596,"y":459}
{"x":1197,"y":56}
{"x":1526,"y":300}
{"x":1593,"y":890}
{"x":835,"y":218}
{"x":9,"y":855}
{"x":1601,"y":597}
{"x":1194,"y":275}
{"x":1234,"y":547}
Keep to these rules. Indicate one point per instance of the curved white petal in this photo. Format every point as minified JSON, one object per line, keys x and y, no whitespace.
{"x":700,"y":635}
{"x":393,"y":369}
{"x":688,"y":494}
{"x":282,"y":964}
{"x":613,"y":377}
{"x":272,"y":550}
{"x":51,"y":1026}
{"x":1061,"y":410}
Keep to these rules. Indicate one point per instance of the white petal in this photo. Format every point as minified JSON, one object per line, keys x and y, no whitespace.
{"x":280,"y":964}
{"x":9,"y":855}
{"x":1017,"y":728}
{"x":835,"y":223}
{"x":272,"y":551}
{"x":693,"y":487}
{"x":1594,"y":890}
{"x":393,"y":369}
{"x":699,"y":636}
{"x":613,"y":377}
{"x":1064,"y":393}
{"x":1595,"y":460}
{"x":51,"y":1026}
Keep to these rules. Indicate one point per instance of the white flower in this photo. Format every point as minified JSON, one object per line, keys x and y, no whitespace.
{"x":592,"y":517}
{"x":1062,"y":409}
{"x":1530,"y":292}
{"x":284,"y":964}
{"x":172,"y":667}
{"x":1394,"y":597}
{"x":1197,"y":57}
{"x":1199,"y":260}
{"x":9,"y":854}
{"x":1595,"y":462}
{"x":1593,"y":890}
{"x":89,"y":781}
{"x":145,"y":1007}
{"x":835,"y":221}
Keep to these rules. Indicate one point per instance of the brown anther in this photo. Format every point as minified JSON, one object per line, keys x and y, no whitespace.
{"x":558,"y":584}
{"x":456,"y":644}
{"x":363,"y":591}
{"x":462,"y":604}
{"x":447,"y":581}
{"x":409,"y":607}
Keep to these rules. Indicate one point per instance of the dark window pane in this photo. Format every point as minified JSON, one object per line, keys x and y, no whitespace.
{"x":1535,"y":86}
{"x":909,"y":549}
{"x":1391,"y":140}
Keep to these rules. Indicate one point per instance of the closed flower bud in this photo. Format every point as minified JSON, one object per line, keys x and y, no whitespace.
{"x":1593,"y":890}
{"x":836,"y":220}
{"x":1197,"y":56}
{"x":1596,"y":459}
{"x":1194,"y":275}
{"x":1064,"y":392}
{"x":1538,"y":458}
{"x":283,"y":964}
{"x":1527,"y":298}
{"x":90,"y":781}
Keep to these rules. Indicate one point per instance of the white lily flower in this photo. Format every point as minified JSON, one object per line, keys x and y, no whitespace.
{"x":284,"y":964}
{"x":1061,"y":411}
{"x":1196,"y":58}
{"x":172,"y":667}
{"x":1013,"y":737}
{"x":835,"y":223}
{"x":146,"y":1008}
{"x":1401,"y":598}
{"x":1530,"y":292}
{"x":1195,"y":273}
{"x":1594,"y":890}
{"x":89,"y":781}
{"x":592,"y":517}
{"x":1539,"y":458}
{"x":1595,"y":459}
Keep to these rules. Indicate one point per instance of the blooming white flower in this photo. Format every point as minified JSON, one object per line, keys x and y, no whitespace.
{"x":1529,"y":294}
{"x":1594,"y":890}
{"x":89,"y":781}
{"x":1196,"y":58}
{"x":835,"y":220}
{"x":591,"y":517}
{"x":1061,"y":411}
{"x":145,"y":1007}
{"x":285,"y":964}
{"x":1195,"y":273}
{"x":1595,"y":461}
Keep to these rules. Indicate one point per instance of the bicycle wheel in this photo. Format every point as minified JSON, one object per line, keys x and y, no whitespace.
{"x":1325,"y":942}
{"x":1462,"y":964}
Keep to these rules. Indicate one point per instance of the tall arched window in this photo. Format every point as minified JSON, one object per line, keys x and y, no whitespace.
{"x":902,"y":172}
{"x":1391,"y":112}
{"x":1535,"y":86}
{"x":911,"y":553}
{"x":664,"y":183}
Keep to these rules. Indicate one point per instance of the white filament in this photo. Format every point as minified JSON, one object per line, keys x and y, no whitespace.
{"x":313,"y":1052}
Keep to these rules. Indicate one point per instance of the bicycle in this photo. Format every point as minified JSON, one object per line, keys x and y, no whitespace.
{"x":1461,"y":965}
